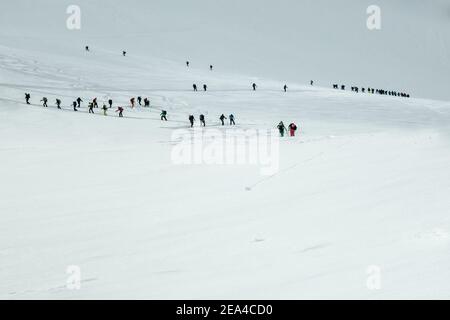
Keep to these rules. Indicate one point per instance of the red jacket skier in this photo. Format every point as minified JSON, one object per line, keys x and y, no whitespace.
{"x":292,"y":129}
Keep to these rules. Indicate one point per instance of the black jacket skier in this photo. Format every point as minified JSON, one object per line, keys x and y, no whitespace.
{"x":254,"y":86}
{"x":164,"y":115}
{"x":74,"y":106}
{"x":91,"y":107}
{"x":202,"y":120}
{"x":146,"y":102}
{"x":27,"y":98}
{"x":285,"y":88}
{"x":191,"y":120}
{"x":44,"y":100}
{"x":139,"y":100}
{"x":79,"y":101}
{"x":222,"y":118}
{"x":205,"y":87}
{"x":194,"y":86}
{"x":231,"y":117}
{"x":58,"y":103}
{"x":281,"y":128}
{"x":110,"y":102}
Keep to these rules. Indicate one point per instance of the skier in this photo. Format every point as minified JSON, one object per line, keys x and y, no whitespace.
{"x":202,"y":120}
{"x":231,"y":117}
{"x":205,"y":87}
{"x":292,"y":128}
{"x":343,"y":87}
{"x":146,"y":102}
{"x":27,"y":98}
{"x":87,"y":48}
{"x":110,"y":102}
{"x":124,"y":53}
{"x":194,"y":86}
{"x":91,"y":107}
{"x":104,"y":108}
{"x":44,"y":100}
{"x":120,"y":110}
{"x":191,"y":120}
{"x":164,"y":115}
{"x":187,"y":64}
{"x":132,"y":102}
{"x":312,"y":82}
{"x":254,"y":86}
{"x":211,"y":67}
{"x":222,"y":118}
{"x":139,"y":99}
{"x":285,"y":88}
{"x":281,"y":128}
{"x":94,"y":102}
{"x":58,"y":103}
{"x":74,"y":106}
{"x":79,"y":102}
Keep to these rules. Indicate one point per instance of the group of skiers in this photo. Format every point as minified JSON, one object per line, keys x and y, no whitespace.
{"x":202,"y":119}
{"x":375,"y":91}
{"x":92,"y":104}
{"x":86,"y":48}
{"x":210,"y":66}
{"x":194,"y":86}
{"x":292,"y":128}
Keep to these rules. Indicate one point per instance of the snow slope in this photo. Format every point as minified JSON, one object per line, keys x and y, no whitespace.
{"x":366,"y":183}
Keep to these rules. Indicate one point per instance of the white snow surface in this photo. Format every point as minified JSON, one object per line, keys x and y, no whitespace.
{"x":366,"y":183}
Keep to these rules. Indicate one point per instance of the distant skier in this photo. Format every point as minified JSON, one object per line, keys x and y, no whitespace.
{"x":231,"y":117}
{"x":132,"y":102}
{"x":91,"y":107}
{"x":254,"y":86}
{"x":139,"y":100}
{"x":191,"y":120}
{"x":58,"y":103}
{"x":79,"y":101}
{"x":44,"y":102}
{"x":211,"y":67}
{"x":110,"y":102}
{"x":222,"y":118}
{"x":163,"y":115}
{"x":104,"y":108}
{"x":124,"y":53}
{"x":94,"y":102}
{"x":120,"y":111}
{"x":312,"y":82}
{"x":146,"y":102}
{"x":74,"y":106}
{"x":292,"y":129}
{"x":194,"y":86}
{"x":202,"y":120}
{"x":187,"y":64}
{"x":281,"y":128}
{"x":87,"y":48}
{"x":27,"y":98}
{"x":343,"y":87}
{"x":285,"y":88}
{"x":205,"y":87}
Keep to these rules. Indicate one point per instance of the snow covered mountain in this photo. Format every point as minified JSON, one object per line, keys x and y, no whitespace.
{"x":358,"y":209}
